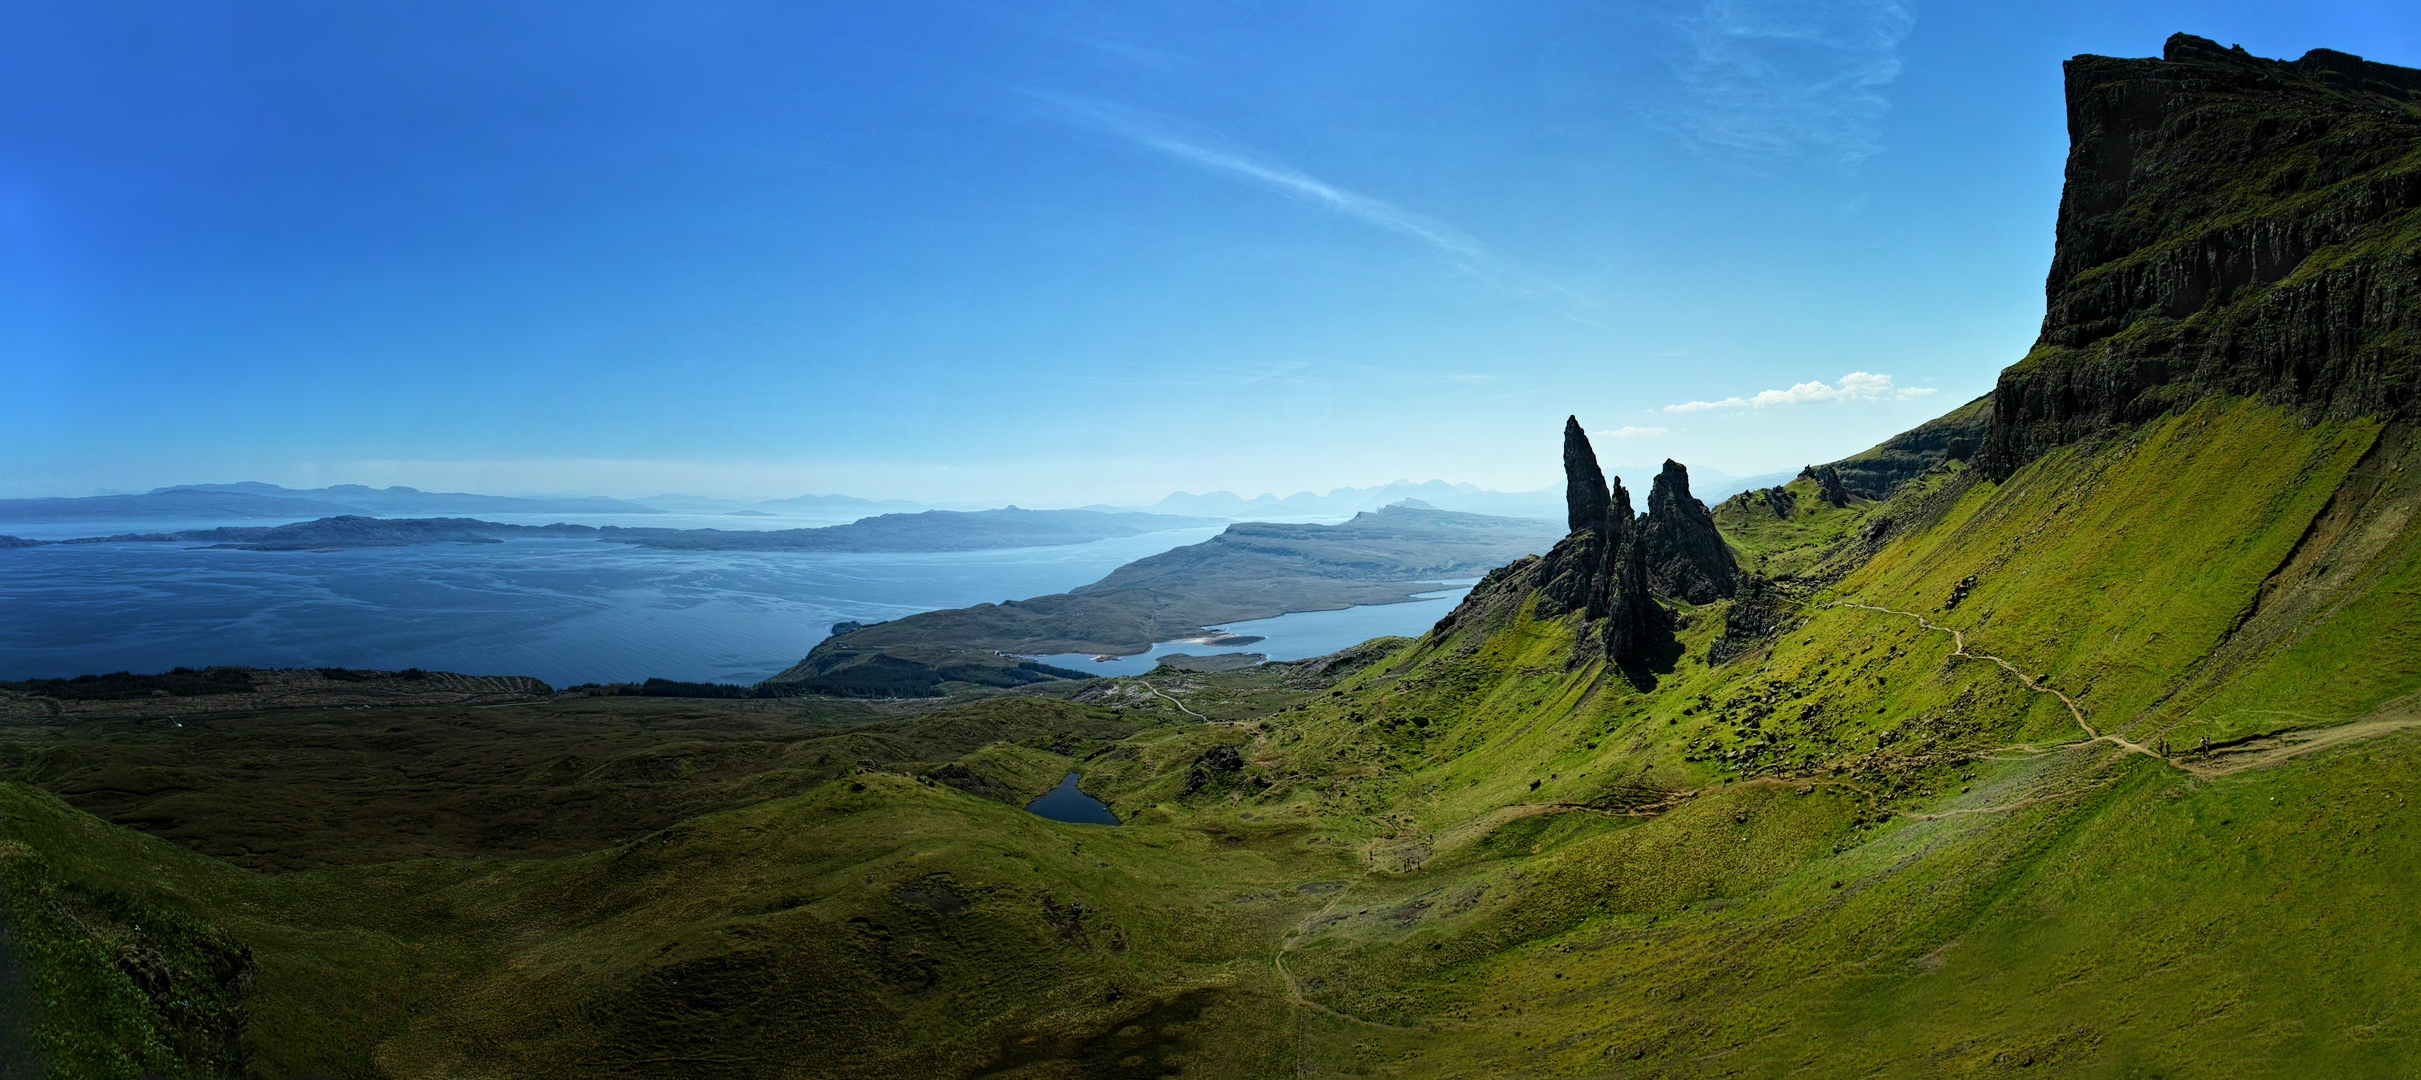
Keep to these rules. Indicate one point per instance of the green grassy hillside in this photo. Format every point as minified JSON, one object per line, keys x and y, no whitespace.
{"x":1925,"y":828}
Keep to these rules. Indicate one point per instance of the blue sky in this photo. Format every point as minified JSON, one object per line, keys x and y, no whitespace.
{"x":1046,"y":252}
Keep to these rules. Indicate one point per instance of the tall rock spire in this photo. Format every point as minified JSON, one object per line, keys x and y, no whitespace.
{"x":1631,"y":614}
{"x":1686,"y":558}
{"x":1584,"y":483}
{"x":1575,"y":572}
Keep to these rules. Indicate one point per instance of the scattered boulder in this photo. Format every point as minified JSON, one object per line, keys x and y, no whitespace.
{"x":1959,"y":593}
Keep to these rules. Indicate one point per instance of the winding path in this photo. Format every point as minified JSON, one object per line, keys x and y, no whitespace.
{"x":1959,"y":640}
{"x":1173,"y":701}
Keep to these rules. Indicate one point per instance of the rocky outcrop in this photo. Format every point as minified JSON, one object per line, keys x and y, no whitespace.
{"x":1572,"y":576}
{"x":2230,"y":225}
{"x":1686,"y":558}
{"x":1762,"y":609}
{"x":1214,"y":765}
{"x":1602,"y":568}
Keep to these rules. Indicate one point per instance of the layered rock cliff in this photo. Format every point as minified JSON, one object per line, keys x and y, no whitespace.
{"x":2230,"y":224}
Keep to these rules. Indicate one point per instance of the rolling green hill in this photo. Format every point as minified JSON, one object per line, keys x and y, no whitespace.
{"x":1928,"y":796}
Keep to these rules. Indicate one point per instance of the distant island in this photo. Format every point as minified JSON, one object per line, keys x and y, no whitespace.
{"x":257,"y":500}
{"x":933,"y":530}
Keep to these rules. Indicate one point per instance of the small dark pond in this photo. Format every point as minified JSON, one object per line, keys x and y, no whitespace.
{"x":1069,"y":803}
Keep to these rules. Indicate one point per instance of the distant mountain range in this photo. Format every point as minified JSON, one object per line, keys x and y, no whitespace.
{"x":256,"y":501}
{"x":846,"y":507}
{"x":933,"y":530}
{"x":1460,"y":498}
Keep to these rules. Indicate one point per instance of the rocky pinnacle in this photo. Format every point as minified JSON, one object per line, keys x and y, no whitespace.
{"x":1631,"y":613}
{"x":1686,"y":558}
{"x":1584,"y":483}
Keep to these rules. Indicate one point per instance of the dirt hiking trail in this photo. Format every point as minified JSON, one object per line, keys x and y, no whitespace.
{"x":2220,"y":759}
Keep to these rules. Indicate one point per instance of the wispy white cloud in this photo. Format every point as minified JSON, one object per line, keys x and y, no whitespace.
{"x":1855,"y":386}
{"x":1776,"y":77}
{"x":1633,"y":431}
{"x":1219,"y":155}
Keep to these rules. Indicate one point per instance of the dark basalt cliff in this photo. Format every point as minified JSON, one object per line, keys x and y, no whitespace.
{"x":2230,"y":224}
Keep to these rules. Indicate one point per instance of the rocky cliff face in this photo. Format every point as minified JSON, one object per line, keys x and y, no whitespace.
{"x":1686,"y":558}
{"x":2230,"y":224}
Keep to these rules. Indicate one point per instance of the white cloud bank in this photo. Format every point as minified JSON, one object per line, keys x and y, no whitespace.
{"x":1633,"y":432}
{"x":1855,"y":386}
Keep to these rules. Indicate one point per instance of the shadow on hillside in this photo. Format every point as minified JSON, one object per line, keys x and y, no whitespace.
{"x":1662,"y":654}
{"x":17,"y":1061}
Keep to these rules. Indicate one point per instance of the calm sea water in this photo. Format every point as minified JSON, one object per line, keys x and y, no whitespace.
{"x":566,"y":611}
{"x":1292,"y":636}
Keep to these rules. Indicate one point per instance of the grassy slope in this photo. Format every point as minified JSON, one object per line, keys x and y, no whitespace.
{"x":2120,"y":914}
{"x":1848,"y":853}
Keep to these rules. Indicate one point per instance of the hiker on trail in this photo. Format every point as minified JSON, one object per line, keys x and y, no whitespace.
{"x":2206,"y":744}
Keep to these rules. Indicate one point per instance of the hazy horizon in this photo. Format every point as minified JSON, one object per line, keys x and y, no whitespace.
{"x":1643,"y":470}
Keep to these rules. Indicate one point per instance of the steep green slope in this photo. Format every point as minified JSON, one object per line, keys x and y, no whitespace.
{"x":2005,"y":889}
